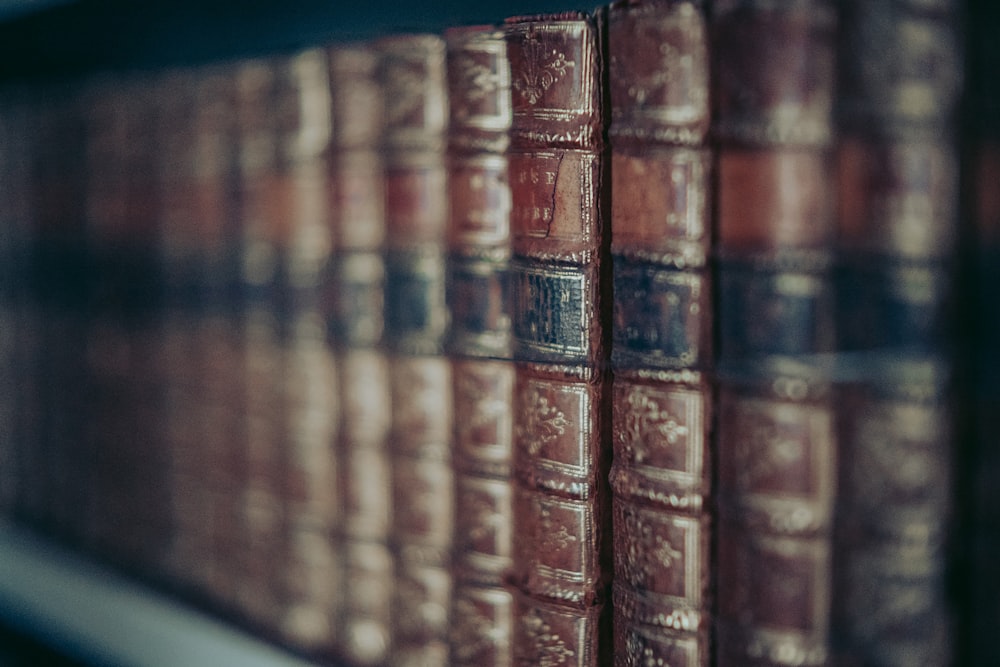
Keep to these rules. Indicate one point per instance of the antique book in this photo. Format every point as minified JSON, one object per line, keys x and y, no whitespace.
{"x":478,"y":244}
{"x":259,"y":244}
{"x":21,"y":115}
{"x":661,"y":332}
{"x":308,"y":579}
{"x":204,"y":361}
{"x":182,"y":127}
{"x":130,"y":512}
{"x":560,"y":289}
{"x":288,"y":489}
{"x":413,"y":74}
{"x":355,"y":318}
{"x":58,"y":308}
{"x":901,"y":76}
{"x":775,"y":437}
{"x":15,"y":219}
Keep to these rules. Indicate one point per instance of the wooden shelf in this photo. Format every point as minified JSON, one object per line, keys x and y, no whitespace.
{"x":96,"y":616}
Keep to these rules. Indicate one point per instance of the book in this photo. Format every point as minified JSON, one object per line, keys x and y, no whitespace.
{"x":898,"y":239}
{"x":413,"y":74}
{"x":478,"y":242}
{"x":58,"y":276}
{"x":127,"y":513}
{"x":776,"y":443}
{"x":283,"y":111}
{"x":500,"y":348}
{"x":208,"y":426}
{"x":15,"y":218}
{"x":193,"y":207}
{"x":309,"y":579}
{"x":661,"y":355}
{"x":560,"y":301}
{"x":355,"y":298}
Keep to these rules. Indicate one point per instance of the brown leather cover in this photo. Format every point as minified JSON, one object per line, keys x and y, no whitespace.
{"x":15,"y":213}
{"x":898,"y":238}
{"x":284,"y":119}
{"x":774,"y":70}
{"x":560,"y":285}
{"x":413,"y":72}
{"x":479,"y":343}
{"x":776,"y":445}
{"x":662,"y":332}
{"x":120,"y":217}
{"x":355,"y":325}
{"x":201,"y":367}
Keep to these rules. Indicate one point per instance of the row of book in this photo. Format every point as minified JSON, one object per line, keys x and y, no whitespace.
{"x":630,"y":336}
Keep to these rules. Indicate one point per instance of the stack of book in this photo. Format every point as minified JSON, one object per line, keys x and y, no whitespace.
{"x":623,"y":337}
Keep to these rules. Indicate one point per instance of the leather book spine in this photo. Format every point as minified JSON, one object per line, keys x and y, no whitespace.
{"x":901,"y":77}
{"x":139,"y":274}
{"x":201,"y":367}
{"x":15,"y":218}
{"x":775,"y":440}
{"x":560,"y":288}
{"x":355,"y":316}
{"x":31,"y":339}
{"x":308,"y":578}
{"x":176,"y":352}
{"x":478,"y":244}
{"x":662,"y":402}
{"x":981,"y":584}
{"x":416,"y":114}
{"x":283,"y":114}
{"x":212,"y":458}
{"x":262,"y":212}
{"x":119,"y":212}
{"x":60,"y":315}
{"x":20,"y":112}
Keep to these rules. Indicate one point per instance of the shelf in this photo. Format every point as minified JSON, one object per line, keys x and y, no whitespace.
{"x":98,"y":617}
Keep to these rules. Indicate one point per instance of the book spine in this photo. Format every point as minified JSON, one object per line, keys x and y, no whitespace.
{"x":661,"y":333}
{"x":176,"y":350}
{"x":15,"y":220}
{"x":478,"y":243}
{"x":261,"y":216}
{"x":25,"y":294}
{"x":139,"y":276}
{"x":560,"y":284}
{"x":776,"y":446}
{"x":213,"y":461}
{"x":309,"y":575}
{"x":355,"y":316}
{"x":898,"y":167}
{"x":290,"y":408}
{"x":416,"y":113}
{"x":200,"y":366}
{"x":60,"y":317}
{"x":120,"y":215}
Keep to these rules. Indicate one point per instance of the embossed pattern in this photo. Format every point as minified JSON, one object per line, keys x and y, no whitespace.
{"x":776,"y":444}
{"x":558,"y":285}
{"x":356,"y":279}
{"x":662,"y":333}
{"x":413,"y":72}
{"x":480,"y":345}
{"x":898,"y":234}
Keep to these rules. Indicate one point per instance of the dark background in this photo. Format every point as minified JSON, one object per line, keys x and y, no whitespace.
{"x":53,"y":38}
